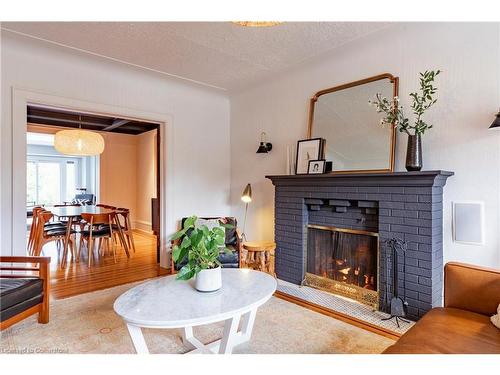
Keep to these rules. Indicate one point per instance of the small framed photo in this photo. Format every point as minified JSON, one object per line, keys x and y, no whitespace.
{"x":308,"y":149}
{"x":316,"y":166}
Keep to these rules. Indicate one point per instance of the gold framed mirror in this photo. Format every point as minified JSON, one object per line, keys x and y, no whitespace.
{"x":355,"y":140}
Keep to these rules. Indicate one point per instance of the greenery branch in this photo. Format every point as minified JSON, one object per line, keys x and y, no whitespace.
{"x":421,"y":102}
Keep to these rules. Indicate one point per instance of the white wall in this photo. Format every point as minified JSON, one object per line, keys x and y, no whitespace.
{"x":200,"y":119}
{"x":118,"y":184}
{"x":469,"y":96}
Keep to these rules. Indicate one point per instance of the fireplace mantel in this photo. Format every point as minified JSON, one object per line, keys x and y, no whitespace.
{"x":437,"y":178}
{"x":405,"y":205}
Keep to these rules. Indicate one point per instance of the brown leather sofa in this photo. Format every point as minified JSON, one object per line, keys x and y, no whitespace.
{"x":471,"y":297}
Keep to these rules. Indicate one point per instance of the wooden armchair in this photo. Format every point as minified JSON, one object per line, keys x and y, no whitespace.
{"x":22,"y":292}
{"x":233,"y":241}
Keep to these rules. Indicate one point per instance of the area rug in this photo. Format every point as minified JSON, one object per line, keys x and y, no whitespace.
{"x":88,"y":324}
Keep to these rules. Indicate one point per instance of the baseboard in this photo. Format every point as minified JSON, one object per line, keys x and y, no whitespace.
{"x":142,"y":231}
{"x":334,"y":314}
{"x":142,"y":225}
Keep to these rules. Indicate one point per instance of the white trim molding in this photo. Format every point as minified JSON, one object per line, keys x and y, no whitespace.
{"x":20,"y":100}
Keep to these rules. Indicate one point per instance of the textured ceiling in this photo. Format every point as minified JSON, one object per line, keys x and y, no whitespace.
{"x":219,"y":54}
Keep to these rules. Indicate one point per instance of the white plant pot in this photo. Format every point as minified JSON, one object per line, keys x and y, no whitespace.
{"x":209,"y":280}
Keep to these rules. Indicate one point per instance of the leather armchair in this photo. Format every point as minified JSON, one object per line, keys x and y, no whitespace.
{"x":233,"y":242}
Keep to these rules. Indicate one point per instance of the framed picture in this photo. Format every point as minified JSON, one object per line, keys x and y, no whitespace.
{"x":316,"y":166}
{"x":308,"y":149}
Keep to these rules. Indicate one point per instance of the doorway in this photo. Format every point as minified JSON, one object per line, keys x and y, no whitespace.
{"x":126,"y":175}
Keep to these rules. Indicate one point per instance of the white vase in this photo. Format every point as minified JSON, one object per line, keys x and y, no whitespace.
{"x":208,"y":280}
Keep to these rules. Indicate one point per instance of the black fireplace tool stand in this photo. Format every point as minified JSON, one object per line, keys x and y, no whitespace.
{"x":397,"y":305}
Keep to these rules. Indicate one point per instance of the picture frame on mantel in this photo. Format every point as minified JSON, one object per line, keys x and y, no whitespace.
{"x":308,"y":149}
{"x":316,"y":166}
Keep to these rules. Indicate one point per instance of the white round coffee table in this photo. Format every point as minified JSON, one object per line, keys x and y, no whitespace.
{"x":170,"y":303}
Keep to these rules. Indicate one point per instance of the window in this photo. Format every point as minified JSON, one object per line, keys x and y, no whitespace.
{"x":52,"y":179}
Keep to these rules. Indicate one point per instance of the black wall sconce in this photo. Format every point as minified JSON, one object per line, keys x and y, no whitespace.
{"x":496,"y":122}
{"x":265,"y":146}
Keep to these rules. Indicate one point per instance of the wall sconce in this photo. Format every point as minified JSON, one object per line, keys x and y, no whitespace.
{"x":265,"y":146}
{"x":496,"y":122}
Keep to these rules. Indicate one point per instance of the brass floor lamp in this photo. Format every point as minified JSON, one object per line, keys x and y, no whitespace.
{"x":246,"y":197}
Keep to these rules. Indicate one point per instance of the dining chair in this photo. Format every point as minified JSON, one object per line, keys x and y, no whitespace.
{"x":45,"y":235}
{"x":107,"y":206}
{"x":51,"y":225}
{"x":124,"y":213}
{"x":100,"y":226}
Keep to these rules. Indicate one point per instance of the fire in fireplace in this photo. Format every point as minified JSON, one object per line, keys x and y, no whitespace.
{"x":343,"y":261}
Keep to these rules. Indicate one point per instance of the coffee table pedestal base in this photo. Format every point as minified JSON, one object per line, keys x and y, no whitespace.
{"x":231,"y":337}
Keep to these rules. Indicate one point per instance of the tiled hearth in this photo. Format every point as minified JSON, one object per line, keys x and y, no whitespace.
{"x":403,"y":205}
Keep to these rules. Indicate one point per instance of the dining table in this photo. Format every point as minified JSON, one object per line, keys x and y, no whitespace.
{"x":73,"y":213}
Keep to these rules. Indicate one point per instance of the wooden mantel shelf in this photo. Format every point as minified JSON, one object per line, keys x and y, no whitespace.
{"x":435,"y":177}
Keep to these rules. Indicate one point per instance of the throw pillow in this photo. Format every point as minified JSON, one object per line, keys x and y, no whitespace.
{"x":210,"y":223}
{"x":495,"y":319}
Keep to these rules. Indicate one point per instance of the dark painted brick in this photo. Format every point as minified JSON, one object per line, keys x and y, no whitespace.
{"x":424,"y":281}
{"x":425,"y":264}
{"x":391,"y":220}
{"x":338,"y":202}
{"x":313,"y":201}
{"x":368,"y":204}
{"x":396,"y":205}
{"x":404,"y":229}
{"x":405,"y":213}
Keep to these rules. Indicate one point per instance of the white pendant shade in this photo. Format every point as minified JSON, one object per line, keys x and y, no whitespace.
{"x":79,"y":142}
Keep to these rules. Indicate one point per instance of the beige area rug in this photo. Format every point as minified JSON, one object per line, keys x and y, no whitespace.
{"x":88,"y":324}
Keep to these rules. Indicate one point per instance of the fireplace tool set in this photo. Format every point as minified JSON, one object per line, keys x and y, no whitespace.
{"x":397,"y":305}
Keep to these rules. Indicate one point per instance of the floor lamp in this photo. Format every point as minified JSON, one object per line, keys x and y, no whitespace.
{"x":246,"y":197}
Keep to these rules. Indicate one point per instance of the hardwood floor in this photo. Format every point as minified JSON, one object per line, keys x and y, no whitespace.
{"x":78,"y":278}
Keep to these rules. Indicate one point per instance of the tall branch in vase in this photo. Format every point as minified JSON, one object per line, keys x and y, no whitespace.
{"x":395,"y":116}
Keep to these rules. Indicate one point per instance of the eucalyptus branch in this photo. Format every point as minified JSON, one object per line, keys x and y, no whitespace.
{"x":421,"y":102}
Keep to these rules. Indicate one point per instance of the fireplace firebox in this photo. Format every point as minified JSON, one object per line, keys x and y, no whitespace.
{"x":343,"y":261}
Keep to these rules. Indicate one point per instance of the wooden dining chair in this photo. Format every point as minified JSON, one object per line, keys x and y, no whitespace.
{"x":51,"y":225}
{"x":107,"y":206}
{"x":99,"y":226}
{"x":45,"y":235}
{"x":124,"y":213}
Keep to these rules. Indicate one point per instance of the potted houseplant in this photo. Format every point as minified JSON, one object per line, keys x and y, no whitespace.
{"x":200,"y":246}
{"x":394,"y":116}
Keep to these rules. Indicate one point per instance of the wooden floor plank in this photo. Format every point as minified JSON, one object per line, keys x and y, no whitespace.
{"x":78,"y":278}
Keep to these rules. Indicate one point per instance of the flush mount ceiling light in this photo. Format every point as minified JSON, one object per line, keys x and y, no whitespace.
{"x":79,"y":142}
{"x":257,"y":23}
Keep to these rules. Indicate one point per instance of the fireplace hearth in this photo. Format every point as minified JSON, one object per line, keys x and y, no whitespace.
{"x":401,"y":205}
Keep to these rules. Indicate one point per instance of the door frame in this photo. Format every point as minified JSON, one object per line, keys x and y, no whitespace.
{"x":21,"y":98}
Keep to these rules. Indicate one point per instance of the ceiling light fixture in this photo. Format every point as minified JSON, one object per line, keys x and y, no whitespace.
{"x":257,"y":23}
{"x":79,"y":142}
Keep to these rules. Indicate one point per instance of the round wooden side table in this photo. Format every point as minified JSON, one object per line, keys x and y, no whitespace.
{"x":260,"y":256}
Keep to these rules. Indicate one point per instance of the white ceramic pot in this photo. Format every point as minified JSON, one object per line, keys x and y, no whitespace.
{"x":209,"y":280}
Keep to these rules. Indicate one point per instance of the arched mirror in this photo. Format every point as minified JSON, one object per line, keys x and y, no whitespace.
{"x":355,"y":140}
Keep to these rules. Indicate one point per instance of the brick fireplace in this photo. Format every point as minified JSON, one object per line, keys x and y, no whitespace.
{"x":403,"y":205}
